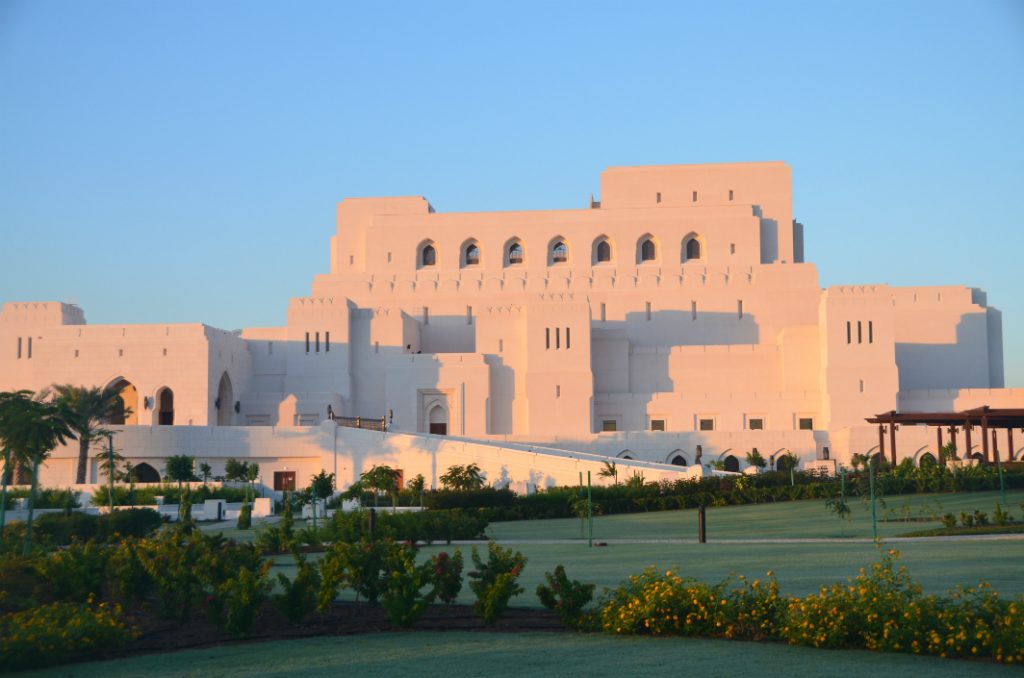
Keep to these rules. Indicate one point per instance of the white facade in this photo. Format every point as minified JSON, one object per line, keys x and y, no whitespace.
{"x":678,"y":312}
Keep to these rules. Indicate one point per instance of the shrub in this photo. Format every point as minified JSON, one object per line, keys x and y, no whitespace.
{"x":21,"y":585}
{"x":49,"y":634}
{"x":949,"y":520}
{"x":403,"y":598}
{"x":298,"y":596}
{"x":362,"y":565}
{"x":1000,"y":516}
{"x":495,"y":581}
{"x":75,"y":573}
{"x":236,"y":601}
{"x":447,"y":576}
{"x":128,"y":582}
{"x":565,"y":596}
{"x":245,"y":517}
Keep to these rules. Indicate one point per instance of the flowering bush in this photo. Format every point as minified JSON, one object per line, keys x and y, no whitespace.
{"x":447,"y":576}
{"x":235,"y":602}
{"x":565,"y":596}
{"x":495,"y":582}
{"x":663,"y":604}
{"x":48,"y":634}
{"x":75,"y":572}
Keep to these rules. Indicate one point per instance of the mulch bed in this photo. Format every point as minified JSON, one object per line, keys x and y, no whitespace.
{"x":343,"y":619}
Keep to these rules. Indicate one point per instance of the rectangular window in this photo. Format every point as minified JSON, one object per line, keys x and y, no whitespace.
{"x":165,"y":352}
{"x":327,"y":341}
{"x":706,"y":424}
{"x":30,"y":348}
{"x":871,"y":332}
{"x":648,"y":311}
{"x":805,"y":424}
{"x":307,"y":342}
{"x":426,"y":315}
{"x":120,"y":351}
{"x":730,"y":194}
{"x":547,"y":337}
{"x":501,"y":345}
{"x":469,"y":315}
{"x":755,"y":424}
{"x":657,"y":424}
{"x":859,"y":334}
{"x":657,"y":197}
{"x":848,"y":336}
{"x":695,"y":196}
{"x":732,"y":248}
{"x":567,"y":338}
{"x":376,"y":347}
{"x":558,"y":338}
{"x":317,"y":342}
{"x":608,"y":425}
{"x":604,"y":313}
{"x":76,"y":352}
{"x":389,"y":257}
{"x":19,"y":348}
{"x":558,"y":391}
{"x":861,"y":385}
{"x":693,"y":310}
{"x":739,"y":308}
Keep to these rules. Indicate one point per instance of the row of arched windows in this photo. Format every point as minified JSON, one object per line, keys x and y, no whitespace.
{"x":602,"y":251}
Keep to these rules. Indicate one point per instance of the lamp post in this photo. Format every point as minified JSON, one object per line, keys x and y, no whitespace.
{"x":871,"y":483}
{"x":110,"y":469}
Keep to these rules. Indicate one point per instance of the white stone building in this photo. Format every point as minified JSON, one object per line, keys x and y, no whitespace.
{"x":674,"y":318}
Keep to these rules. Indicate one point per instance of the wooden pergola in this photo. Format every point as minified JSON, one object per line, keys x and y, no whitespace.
{"x":986,"y":418}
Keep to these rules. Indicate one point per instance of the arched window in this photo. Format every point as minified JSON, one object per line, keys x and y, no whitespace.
{"x":604,"y":252}
{"x":144,"y":473}
{"x":692,"y":249}
{"x":927,"y":459}
{"x":559,"y":253}
{"x":647,"y":250}
{"x":515,"y":254}
{"x":679,"y":460}
{"x":732,"y":464}
{"x":472,"y":256}
{"x":428,"y":257}
{"x":165,"y":407}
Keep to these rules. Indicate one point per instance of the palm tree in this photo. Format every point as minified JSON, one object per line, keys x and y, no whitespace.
{"x":31,"y":427}
{"x":88,"y":409}
{"x":10,"y":404}
{"x":179,"y":467}
{"x":609,"y":470}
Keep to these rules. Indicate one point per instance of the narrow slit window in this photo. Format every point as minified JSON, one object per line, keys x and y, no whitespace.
{"x":547,"y":337}
{"x":695,"y":196}
{"x":558,"y":338}
{"x":567,"y":338}
{"x":317,"y":342}
{"x":307,"y":342}
{"x":426,"y":315}
{"x":604,"y":312}
{"x":730,"y":194}
{"x":76,"y":352}
{"x":861,"y":385}
{"x":732,"y":248}
{"x":30,"y":347}
{"x":647,"y":311}
{"x":327,"y":341}
{"x":270,"y":348}
{"x":469,"y":315}
{"x":859,"y":333}
{"x":558,"y":391}
{"x":376,"y":347}
{"x":693,"y":310}
{"x":19,"y":348}
{"x":389,"y":257}
{"x":501,"y":345}
{"x":739,"y":308}
{"x":871,"y":332}
{"x":657,"y":197}
{"x":165,"y":352}
{"x":848,"y":337}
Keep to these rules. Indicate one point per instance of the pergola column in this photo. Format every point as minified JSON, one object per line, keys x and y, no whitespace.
{"x":939,"y":453}
{"x":881,"y":440}
{"x":995,"y":447}
{"x":892,"y":442}
{"x":984,"y":437}
{"x":967,"y":435}
{"x":1009,"y":442}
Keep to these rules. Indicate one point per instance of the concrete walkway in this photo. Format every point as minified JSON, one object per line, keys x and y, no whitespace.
{"x":780,"y":540}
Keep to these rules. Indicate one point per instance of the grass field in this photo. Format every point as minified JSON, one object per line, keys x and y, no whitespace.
{"x":801,"y":567}
{"x":458,"y":655}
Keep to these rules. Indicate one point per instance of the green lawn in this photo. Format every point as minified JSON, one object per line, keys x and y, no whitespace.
{"x":459,"y":654}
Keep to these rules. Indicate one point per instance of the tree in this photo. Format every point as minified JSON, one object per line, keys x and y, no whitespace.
{"x":787,"y":462}
{"x":179,"y":467}
{"x":87,"y":410}
{"x":32,"y":427}
{"x":252,"y":472}
{"x":128,"y":476}
{"x":321,"y":486}
{"x":754,"y":458}
{"x":609,"y":470}
{"x":108,"y":462}
{"x":205,"y":471}
{"x":463,"y":478}
{"x":235,"y":470}
{"x":381,"y":479}
{"x":417,"y":485}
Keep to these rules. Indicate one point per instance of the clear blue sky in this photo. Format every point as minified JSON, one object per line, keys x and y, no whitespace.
{"x":180,"y":161}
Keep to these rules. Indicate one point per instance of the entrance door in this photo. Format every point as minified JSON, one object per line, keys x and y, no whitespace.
{"x":438,"y":420}
{"x":284,"y":481}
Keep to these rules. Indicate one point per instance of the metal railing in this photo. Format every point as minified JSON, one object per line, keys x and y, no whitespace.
{"x":361,"y":422}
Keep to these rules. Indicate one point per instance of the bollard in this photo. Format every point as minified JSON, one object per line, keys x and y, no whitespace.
{"x":372,"y":517}
{"x":702,"y":525}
